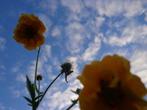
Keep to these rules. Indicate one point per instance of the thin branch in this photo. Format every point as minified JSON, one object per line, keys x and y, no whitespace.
{"x":74,"y":103}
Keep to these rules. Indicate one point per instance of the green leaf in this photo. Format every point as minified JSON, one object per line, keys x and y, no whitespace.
{"x":38,"y":97}
{"x":30,"y":104}
{"x":38,"y":92}
{"x":31,"y":88}
{"x":37,"y":103}
{"x":27,"y":99}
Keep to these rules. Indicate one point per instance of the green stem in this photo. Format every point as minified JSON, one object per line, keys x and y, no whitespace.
{"x":33,"y":106}
{"x":36,"y":66}
{"x":49,"y":87}
{"x":74,"y":103}
{"x":39,"y":86}
{"x":39,"y":89}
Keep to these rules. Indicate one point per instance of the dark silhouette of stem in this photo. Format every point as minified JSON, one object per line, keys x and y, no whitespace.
{"x":74,"y":103}
{"x":39,"y":86}
{"x":36,"y":66}
{"x":39,"y":89}
{"x":33,"y":108}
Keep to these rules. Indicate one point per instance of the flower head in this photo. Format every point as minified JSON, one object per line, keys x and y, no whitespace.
{"x":29,"y":31}
{"x":66,"y":69}
{"x":39,"y":77}
{"x":109,"y":85}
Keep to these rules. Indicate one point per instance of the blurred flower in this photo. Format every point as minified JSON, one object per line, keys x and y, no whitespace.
{"x":67,"y":69}
{"x":109,"y":85}
{"x":29,"y":31}
{"x":39,"y":77}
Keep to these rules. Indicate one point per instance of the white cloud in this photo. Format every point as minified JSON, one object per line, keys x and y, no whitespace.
{"x":74,"y":5}
{"x":109,"y":8}
{"x":145,"y":16}
{"x":128,"y":8}
{"x":119,"y":41}
{"x":75,"y":34}
{"x":46,"y":53}
{"x":115,"y":7}
{"x":47,"y":22}
{"x":74,"y":43}
{"x":132,"y":33}
{"x":56,"y":32}
{"x":139,"y":65}
{"x":92,"y":49}
{"x":133,"y":8}
{"x":99,"y":21}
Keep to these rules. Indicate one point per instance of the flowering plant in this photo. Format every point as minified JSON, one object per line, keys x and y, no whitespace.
{"x":108,"y":84}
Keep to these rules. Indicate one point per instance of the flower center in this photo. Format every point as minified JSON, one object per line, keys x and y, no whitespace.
{"x":30,"y":32}
{"x":111,"y":95}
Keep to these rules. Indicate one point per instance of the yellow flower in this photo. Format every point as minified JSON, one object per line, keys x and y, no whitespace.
{"x":109,"y":85}
{"x":29,"y":31}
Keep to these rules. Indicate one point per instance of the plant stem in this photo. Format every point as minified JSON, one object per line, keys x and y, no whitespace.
{"x":34,"y":107}
{"x":36,"y":66}
{"x":74,"y":103}
{"x":39,"y":89}
{"x":39,"y":86}
{"x":49,"y":87}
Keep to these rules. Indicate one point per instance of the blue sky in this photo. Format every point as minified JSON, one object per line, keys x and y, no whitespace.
{"x":78,"y":31}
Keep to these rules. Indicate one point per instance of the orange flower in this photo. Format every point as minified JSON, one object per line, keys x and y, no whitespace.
{"x":29,"y":31}
{"x":109,"y":85}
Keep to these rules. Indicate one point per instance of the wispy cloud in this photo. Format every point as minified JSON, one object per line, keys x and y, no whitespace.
{"x":92,"y":49}
{"x":139,"y":65}
{"x":56,"y":32}
{"x":75,"y":33}
{"x":74,"y":5}
{"x":117,"y":7}
{"x":132,"y":33}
